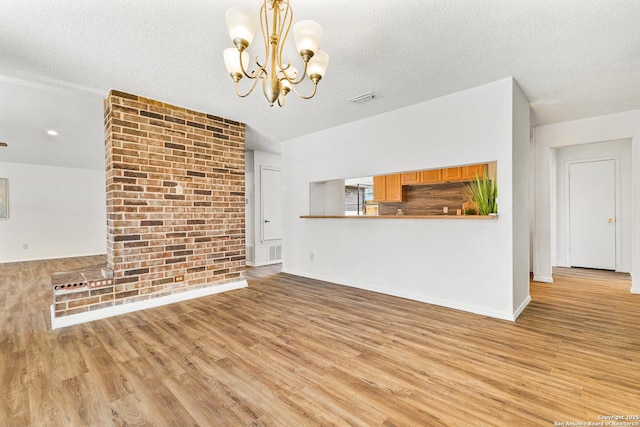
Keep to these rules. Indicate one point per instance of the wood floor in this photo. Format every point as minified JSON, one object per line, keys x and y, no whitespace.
{"x":289,"y":351}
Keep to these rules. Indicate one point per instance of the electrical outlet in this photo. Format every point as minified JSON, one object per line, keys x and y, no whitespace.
{"x":311,"y":256}
{"x":179,"y":278}
{"x":445,"y":209}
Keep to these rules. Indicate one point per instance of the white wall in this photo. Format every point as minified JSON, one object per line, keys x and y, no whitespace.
{"x":620,"y":151}
{"x":58,"y":212}
{"x":254,"y":161}
{"x":521,"y":172}
{"x":464,"y":264}
{"x":327,"y":197}
{"x":603,"y":128}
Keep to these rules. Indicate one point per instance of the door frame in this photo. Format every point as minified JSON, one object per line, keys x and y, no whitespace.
{"x":567,"y":219}
{"x":262,"y":169}
{"x":554,"y":209}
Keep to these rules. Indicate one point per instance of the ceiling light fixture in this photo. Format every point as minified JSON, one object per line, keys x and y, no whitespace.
{"x":52,"y":132}
{"x":277,"y":78}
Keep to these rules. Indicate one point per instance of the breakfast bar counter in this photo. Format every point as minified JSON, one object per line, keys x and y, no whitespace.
{"x":458,"y":217}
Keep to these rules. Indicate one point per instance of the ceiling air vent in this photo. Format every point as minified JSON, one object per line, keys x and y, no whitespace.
{"x":362,"y":98}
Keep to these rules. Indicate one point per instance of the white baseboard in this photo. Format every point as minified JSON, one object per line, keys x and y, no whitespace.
{"x":262,"y":264}
{"x":520,"y":309}
{"x":421,"y":298}
{"x":542,"y":279}
{"x":89,"y":316}
{"x":635,"y":290}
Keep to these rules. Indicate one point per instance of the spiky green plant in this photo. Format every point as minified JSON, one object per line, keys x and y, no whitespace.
{"x":483,"y":192}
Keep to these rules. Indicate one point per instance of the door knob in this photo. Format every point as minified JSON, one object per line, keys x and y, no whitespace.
{"x":611,"y":220}
{"x":266,"y":220}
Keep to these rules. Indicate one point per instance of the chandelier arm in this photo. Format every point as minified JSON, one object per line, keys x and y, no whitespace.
{"x":264,"y":26}
{"x":253,"y":86}
{"x":256,"y":73}
{"x":288,"y":15}
{"x":315,"y":86}
{"x":284,"y":68}
{"x":302,"y":75}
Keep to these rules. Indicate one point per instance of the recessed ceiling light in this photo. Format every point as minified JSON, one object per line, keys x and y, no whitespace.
{"x":52,"y":132}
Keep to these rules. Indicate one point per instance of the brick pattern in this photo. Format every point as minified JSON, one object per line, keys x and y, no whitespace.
{"x":89,"y":288}
{"x":175,"y":201}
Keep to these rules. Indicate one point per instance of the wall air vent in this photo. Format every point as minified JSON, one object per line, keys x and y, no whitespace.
{"x":362,"y":98}
{"x":250,"y":255}
{"x":275,"y":252}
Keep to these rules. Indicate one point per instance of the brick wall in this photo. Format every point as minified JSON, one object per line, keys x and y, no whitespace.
{"x":175,"y":201}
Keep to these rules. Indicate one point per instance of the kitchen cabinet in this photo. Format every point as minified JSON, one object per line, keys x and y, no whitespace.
{"x":411,"y":178}
{"x":432,"y":176}
{"x":388,"y":188}
{"x":469,"y":172}
{"x":457,"y":174}
{"x":395,"y":190}
{"x":392,"y":188}
{"x":380,"y":188}
{"x":452,"y":174}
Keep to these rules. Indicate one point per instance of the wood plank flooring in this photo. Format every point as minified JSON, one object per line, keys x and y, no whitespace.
{"x":288,"y":351}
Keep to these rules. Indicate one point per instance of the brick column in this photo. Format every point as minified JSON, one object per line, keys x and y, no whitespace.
{"x":175,"y":198}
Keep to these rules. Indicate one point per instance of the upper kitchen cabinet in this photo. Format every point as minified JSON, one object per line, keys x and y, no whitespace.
{"x":380,"y":188}
{"x":395,"y":191}
{"x":409,"y":178}
{"x":392,"y":188}
{"x":452,"y":174}
{"x":388,"y":188}
{"x":433,"y":176}
{"x":470,"y":172}
{"x":457,"y":174}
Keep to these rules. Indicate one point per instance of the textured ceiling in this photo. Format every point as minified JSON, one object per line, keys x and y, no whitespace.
{"x":572,"y":58}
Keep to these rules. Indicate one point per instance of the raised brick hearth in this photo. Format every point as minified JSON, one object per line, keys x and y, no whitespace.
{"x":175,"y":204}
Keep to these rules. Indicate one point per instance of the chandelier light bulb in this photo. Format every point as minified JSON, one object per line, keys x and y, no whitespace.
{"x":232,"y":61}
{"x":242,"y":24}
{"x":308,"y":35}
{"x":318,"y":65}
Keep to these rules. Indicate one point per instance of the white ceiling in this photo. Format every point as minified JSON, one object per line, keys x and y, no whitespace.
{"x":572,"y":58}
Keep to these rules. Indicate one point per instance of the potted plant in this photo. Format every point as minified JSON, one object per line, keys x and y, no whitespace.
{"x":483,"y":193}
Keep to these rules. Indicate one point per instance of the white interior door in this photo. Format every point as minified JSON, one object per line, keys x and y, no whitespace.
{"x":271,"y":203}
{"x":592,"y":210}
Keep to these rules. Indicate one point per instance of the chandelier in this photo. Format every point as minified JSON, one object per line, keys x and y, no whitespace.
{"x":278,"y":78}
